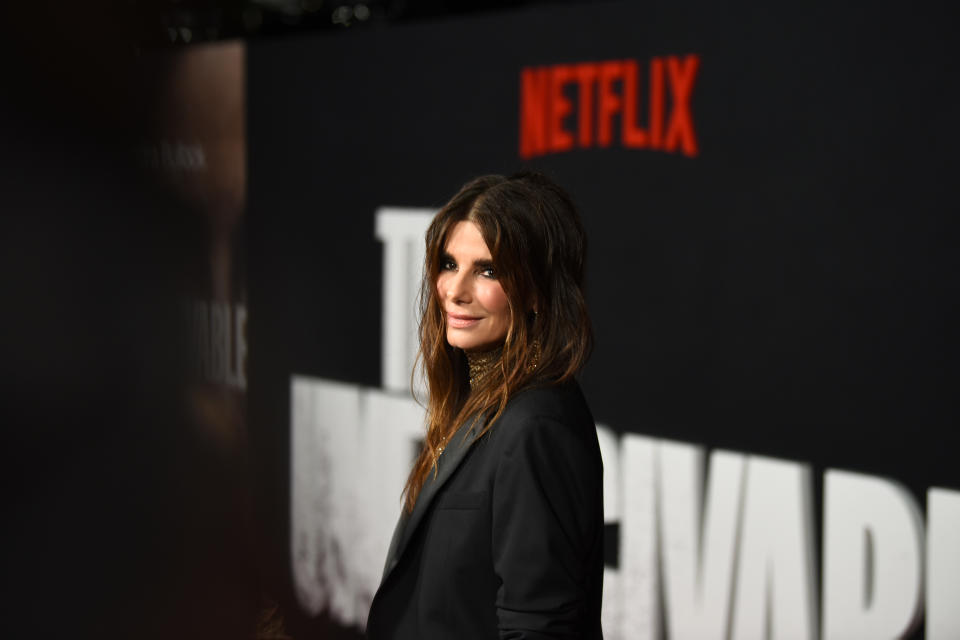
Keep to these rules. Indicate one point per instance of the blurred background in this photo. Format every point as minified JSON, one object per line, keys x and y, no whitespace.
{"x":212,"y":216}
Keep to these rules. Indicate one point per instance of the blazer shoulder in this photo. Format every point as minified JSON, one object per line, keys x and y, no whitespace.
{"x":560,"y":408}
{"x":549,"y":400}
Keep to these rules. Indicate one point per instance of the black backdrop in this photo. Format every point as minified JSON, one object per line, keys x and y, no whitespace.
{"x":788,"y":291}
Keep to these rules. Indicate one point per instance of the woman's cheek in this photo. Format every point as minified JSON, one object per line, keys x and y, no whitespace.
{"x":494,"y":299}
{"x":441,"y":286}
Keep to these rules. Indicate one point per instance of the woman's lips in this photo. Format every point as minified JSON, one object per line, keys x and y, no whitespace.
{"x":461,"y":321}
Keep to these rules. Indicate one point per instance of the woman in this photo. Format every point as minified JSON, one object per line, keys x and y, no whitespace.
{"x":503,"y":521}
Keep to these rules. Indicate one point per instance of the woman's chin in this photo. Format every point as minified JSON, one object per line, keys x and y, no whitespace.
{"x":461,"y":339}
{"x":472,"y":340}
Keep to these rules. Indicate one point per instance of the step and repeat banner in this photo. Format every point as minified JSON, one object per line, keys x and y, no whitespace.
{"x":195,"y":147}
{"x":770,"y":202}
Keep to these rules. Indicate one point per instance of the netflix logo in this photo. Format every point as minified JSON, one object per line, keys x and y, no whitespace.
{"x":565,"y":106}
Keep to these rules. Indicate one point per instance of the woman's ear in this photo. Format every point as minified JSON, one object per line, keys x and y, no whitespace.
{"x":533,"y":309}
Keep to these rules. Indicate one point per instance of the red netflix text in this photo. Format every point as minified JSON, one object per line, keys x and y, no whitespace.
{"x":549,"y":123}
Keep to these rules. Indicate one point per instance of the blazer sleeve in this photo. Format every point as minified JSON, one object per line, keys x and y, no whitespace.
{"x":547,"y":517}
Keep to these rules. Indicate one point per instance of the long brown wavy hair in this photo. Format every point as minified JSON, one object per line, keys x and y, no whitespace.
{"x":538,"y":246}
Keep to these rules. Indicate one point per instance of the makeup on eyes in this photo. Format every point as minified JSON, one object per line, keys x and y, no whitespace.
{"x":447,"y":263}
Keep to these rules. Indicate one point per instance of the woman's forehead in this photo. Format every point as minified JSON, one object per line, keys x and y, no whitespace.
{"x":465,"y":241}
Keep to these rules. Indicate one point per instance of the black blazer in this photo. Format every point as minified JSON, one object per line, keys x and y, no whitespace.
{"x":508,"y":538}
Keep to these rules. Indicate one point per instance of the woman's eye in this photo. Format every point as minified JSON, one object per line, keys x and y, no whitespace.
{"x":488,"y":272}
{"x":448,"y":265}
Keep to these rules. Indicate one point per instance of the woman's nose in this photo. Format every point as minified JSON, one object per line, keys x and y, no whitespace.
{"x":458,"y":289}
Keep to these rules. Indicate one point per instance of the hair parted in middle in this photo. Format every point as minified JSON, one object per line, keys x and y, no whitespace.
{"x":538,"y":246}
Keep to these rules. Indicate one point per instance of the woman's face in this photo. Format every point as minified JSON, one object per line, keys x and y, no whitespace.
{"x":475,"y":308}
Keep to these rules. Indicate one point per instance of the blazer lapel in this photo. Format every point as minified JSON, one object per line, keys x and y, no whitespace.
{"x":449,"y":460}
